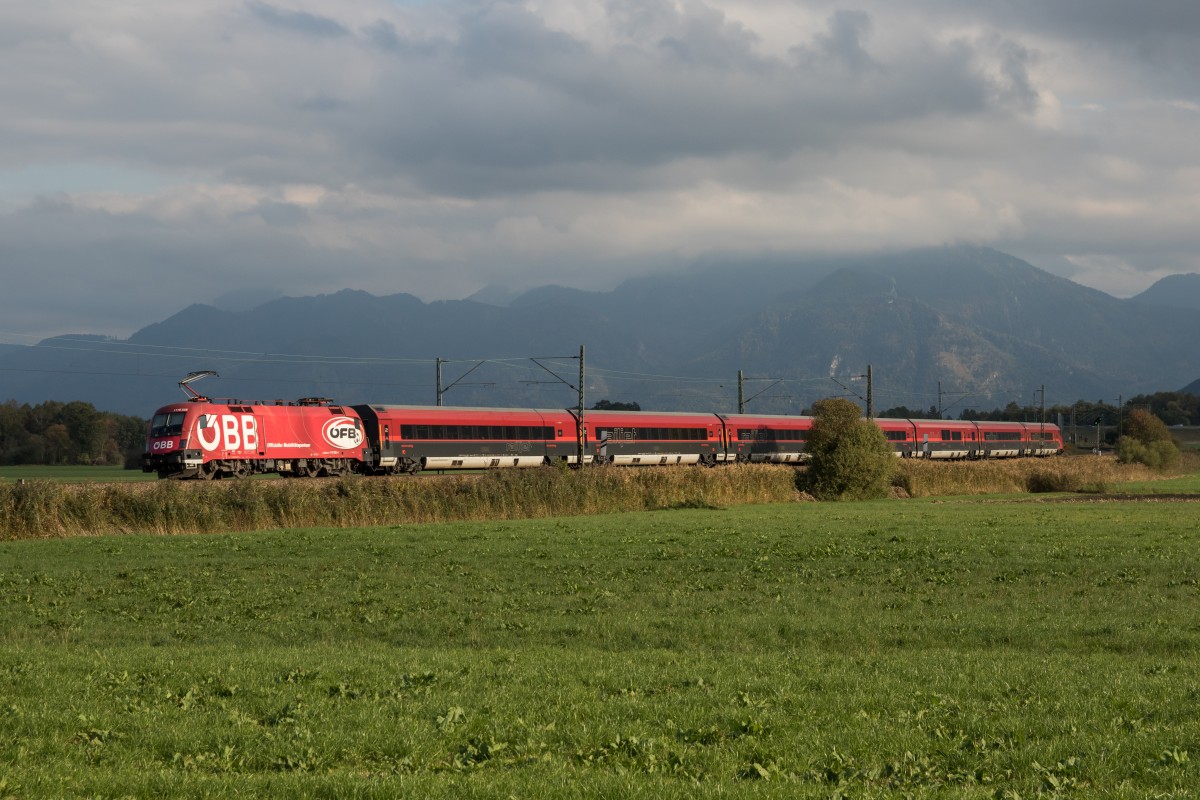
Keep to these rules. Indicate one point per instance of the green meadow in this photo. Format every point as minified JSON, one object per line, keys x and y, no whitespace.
{"x":72,"y":474}
{"x":919,"y":648}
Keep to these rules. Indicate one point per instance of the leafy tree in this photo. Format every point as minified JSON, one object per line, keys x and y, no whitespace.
{"x":612,"y":405}
{"x":68,"y":433}
{"x":1147,"y":441}
{"x":850,"y":458}
{"x":1173,"y":408}
{"x":904,"y":412}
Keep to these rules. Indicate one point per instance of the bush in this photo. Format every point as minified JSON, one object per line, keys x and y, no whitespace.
{"x":1147,"y":442}
{"x":1157,"y":455}
{"x":850,"y":458}
{"x":1145,"y":427}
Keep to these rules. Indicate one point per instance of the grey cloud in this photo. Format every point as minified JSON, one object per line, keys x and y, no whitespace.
{"x":296,"y":21}
{"x":515,"y":100}
{"x":1157,"y":39}
{"x":843,"y":45}
{"x":282,"y":214}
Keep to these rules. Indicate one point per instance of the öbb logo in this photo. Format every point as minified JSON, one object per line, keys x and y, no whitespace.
{"x":343,"y":433}
{"x":235,"y":433}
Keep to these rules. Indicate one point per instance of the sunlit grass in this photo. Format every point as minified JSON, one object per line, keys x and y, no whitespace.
{"x":74,"y":474}
{"x":960,"y":648}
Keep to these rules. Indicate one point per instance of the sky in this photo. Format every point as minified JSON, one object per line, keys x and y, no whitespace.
{"x":159,"y":153}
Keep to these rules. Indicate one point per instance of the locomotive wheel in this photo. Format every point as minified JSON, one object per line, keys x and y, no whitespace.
{"x":207,"y":471}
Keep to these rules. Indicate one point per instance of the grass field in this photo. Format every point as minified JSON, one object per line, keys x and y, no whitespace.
{"x":960,"y":648}
{"x":77,"y":474}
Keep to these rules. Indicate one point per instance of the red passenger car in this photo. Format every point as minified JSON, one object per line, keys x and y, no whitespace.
{"x":945,"y":438}
{"x":658,"y":438}
{"x":413,"y":438}
{"x":767,"y":438}
{"x":901,"y":435}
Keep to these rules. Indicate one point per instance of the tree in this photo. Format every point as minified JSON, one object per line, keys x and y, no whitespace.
{"x":904,"y":412}
{"x":68,"y":433}
{"x":1147,"y":441}
{"x":849,"y":457}
{"x":612,"y":405}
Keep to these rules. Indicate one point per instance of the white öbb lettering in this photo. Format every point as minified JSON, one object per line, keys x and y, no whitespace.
{"x":343,"y":433}
{"x":235,"y":432}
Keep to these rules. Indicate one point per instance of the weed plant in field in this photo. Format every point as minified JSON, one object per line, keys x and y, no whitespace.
{"x":883,"y":649}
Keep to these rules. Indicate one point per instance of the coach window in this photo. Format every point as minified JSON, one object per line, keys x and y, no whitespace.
{"x":387,"y":434}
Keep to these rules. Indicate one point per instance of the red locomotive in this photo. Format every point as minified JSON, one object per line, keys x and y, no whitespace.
{"x":205,"y":438}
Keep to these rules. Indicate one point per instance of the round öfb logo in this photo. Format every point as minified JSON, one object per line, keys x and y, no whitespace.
{"x":342,"y":432}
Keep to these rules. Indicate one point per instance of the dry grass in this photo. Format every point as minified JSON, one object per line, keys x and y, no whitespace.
{"x":1093,"y":474}
{"x":40,"y":509}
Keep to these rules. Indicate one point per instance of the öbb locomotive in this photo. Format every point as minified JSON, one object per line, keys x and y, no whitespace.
{"x":204,"y":438}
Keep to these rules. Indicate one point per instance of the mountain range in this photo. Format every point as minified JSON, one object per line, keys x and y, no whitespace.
{"x":955,"y":327}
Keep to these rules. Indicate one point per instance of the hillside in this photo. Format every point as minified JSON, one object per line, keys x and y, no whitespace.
{"x":988,"y":327}
{"x":1173,"y":291}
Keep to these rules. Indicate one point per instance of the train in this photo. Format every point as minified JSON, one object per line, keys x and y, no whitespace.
{"x":204,"y":438}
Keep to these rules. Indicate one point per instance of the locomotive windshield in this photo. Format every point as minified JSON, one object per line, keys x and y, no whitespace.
{"x":167,"y":424}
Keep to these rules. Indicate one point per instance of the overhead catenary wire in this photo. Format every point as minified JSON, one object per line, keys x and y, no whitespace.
{"x":885,"y":395}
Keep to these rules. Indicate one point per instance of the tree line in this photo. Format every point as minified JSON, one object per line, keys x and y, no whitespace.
{"x":59,"y":433}
{"x":1173,"y":408}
